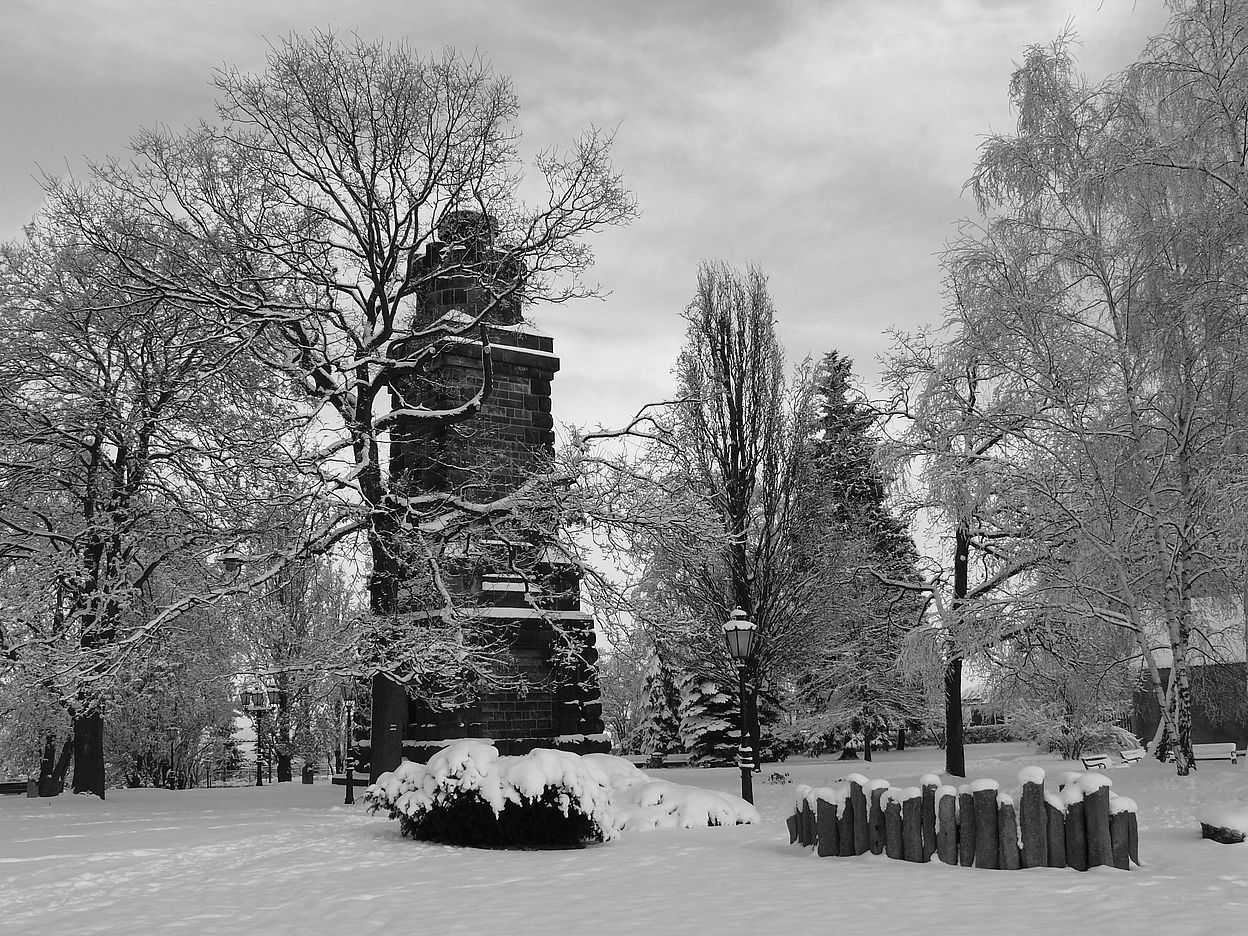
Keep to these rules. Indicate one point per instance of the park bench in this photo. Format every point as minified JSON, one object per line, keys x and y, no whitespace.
{"x":660,"y":760}
{"x":1095,"y":761}
{"x":12,"y":787}
{"x":1217,"y":750}
{"x":1133,"y":756}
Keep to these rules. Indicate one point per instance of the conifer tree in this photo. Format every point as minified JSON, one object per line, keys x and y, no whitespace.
{"x":864,"y":549}
{"x":660,"y":729}
{"x":708,"y":720}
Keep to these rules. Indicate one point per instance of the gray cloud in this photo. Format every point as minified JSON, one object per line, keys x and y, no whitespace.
{"x":827,"y":141}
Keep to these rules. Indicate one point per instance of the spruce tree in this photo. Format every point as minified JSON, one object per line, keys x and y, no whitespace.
{"x":660,"y":728}
{"x":863,"y":546}
{"x":708,"y":720}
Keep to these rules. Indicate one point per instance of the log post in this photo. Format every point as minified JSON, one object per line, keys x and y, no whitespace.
{"x":984,"y":793}
{"x":825,"y":828}
{"x":947,"y":825}
{"x":1055,"y":812}
{"x":797,"y":831}
{"x":875,"y":819}
{"x":892,"y":826}
{"x":1032,"y":821}
{"x":1007,"y":833}
{"x":792,"y":822}
{"x":912,"y":824}
{"x":1119,"y":833}
{"x":966,"y":827}
{"x":1076,"y":828}
{"x":929,"y":783}
{"x":808,"y":824}
{"x":1133,"y":836}
{"x":858,"y":806}
{"x":1096,"y":819}
{"x":844,"y":825}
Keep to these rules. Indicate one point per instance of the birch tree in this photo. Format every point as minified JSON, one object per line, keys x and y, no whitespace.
{"x":1116,"y":281}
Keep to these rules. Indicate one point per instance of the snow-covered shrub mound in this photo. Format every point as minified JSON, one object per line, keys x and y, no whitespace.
{"x":468,"y":794}
{"x":658,"y":804}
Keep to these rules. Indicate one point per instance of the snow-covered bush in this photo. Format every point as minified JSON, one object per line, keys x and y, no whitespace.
{"x":1051,"y":729}
{"x":468,"y":794}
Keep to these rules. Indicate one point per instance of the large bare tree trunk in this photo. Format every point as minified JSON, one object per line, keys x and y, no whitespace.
{"x":89,"y":754}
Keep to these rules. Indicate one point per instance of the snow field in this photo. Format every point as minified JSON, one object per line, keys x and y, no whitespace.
{"x":290,"y":859}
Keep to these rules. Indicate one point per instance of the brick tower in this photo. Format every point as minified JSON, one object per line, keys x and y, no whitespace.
{"x":521,"y":596}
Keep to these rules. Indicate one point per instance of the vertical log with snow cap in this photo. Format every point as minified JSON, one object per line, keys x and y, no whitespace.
{"x":795,"y":821}
{"x":1095,"y":788}
{"x":966,"y":826}
{"x":892,"y":825}
{"x":987,"y":850}
{"x":844,"y":825}
{"x":930,"y":783}
{"x":808,"y":822}
{"x":1076,"y":828}
{"x":1055,"y":813}
{"x":1121,"y":812}
{"x":858,"y":805}
{"x":1007,"y":833}
{"x":1133,"y":834}
{"x":798,"y":833}
{"x":875,"y":817}
{"x":912,"y":824}
{"x":1033,"y":824}
{"x":826,"y":839}
{"x":947,"y":824}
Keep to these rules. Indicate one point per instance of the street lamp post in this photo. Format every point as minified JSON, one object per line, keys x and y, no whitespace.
{"x":348,"y":704}
{"x":741,"y":636}
{"x":257,"y":705}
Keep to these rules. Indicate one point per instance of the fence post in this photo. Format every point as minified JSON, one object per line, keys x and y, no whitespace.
{"x":892,"y":825}
{"x":984,"y":793}
{"x":808,"y":823}
{"x":858,"y":805}
{"x":912,"y":824}
{"x":796,"y":831}
{"x":875,"y":817}
{"x":1120,"y":831}
{"x":929,"y":783}
{"x":1055,"y":812}
{"x":1133,"y":835}
{"x":947,"y":824}
{"x":844,"y":825}
{"x":966,"y":827}
{"x":1007,"y":833}
{"x":1076,"y":828}
{"x":1096,"y":817}
{"x":1032,"y":821}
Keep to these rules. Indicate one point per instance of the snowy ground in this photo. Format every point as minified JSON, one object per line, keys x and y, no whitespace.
{"x":291,"y":859}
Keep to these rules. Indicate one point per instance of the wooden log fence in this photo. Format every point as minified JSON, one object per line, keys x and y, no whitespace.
{"x":1081,"y":825}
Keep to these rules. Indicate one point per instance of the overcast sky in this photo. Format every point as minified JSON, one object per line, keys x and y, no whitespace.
{"x":826,"y":140}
